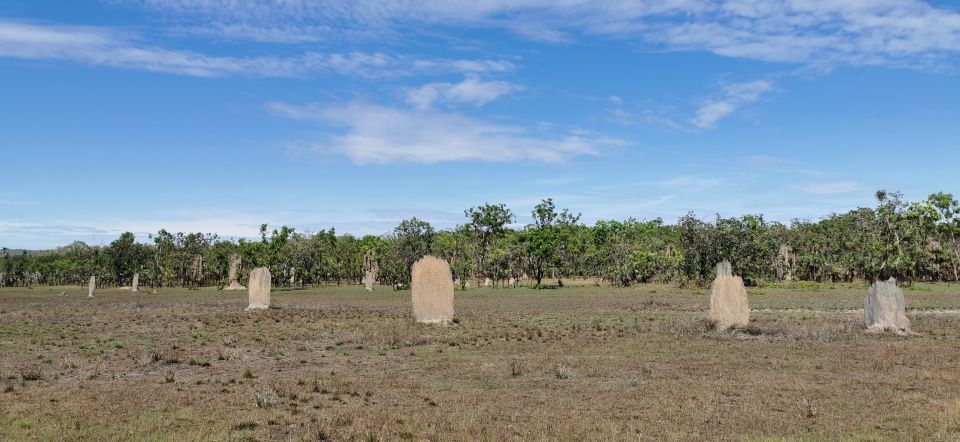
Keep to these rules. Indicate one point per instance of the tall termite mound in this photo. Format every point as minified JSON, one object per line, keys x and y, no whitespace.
{"x":885,"y":309}
{"x":728,"y":299}
{"x":432,"y":287}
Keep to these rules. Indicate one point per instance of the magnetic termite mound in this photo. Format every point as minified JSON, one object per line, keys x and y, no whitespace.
{"x":728,"y":299}
{"x":432,"y":290}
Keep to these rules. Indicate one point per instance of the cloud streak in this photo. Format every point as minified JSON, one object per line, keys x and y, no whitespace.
{"x":731,"y":98}
{"x":106,"y":47}
{"x":904,"y":33}
{"x":471,"y":90}
{"x":375,"y":134}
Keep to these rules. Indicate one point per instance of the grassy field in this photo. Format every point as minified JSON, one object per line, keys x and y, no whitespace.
{"x":579,"y":363}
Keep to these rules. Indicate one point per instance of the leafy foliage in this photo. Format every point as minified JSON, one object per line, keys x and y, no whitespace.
{"x":907,"y":240}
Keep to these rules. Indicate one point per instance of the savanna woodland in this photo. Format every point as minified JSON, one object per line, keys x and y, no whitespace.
{"x":911,"y":241}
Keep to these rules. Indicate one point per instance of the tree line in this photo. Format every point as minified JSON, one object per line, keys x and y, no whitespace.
{"x":911,"y":241}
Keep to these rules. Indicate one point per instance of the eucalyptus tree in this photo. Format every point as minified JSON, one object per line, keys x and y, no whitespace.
{"x":323,"y":247}
{"x":163,"y":257}
{"x":505,"y":257}
{"x":487,"y":223}
{"x":615,"y":242}
{"x":545,"y":241}
{"x":80,"y":260}
{"x":457,"y":246}
{"x":301,"y":256}
{"x":6,"y":267}
{"x":747,"y":244}
{"x":221,"y":255}
{"x":15,"y":269}
{"x":576,"y":247}
{"x":275,"y":246}
{"x":696,"y":241}
{"x":636,"y":251}
{"x":374,"y":245}
{"x":948,"y":229}
{"x":125,"y":257}
{"x":346,"y":259}
{"x":414,"y":239}
{"x":924,"y":250}
{"x":890,"y":225}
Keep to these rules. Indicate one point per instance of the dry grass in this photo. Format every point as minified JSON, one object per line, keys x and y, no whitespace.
{"x":578,"y":363}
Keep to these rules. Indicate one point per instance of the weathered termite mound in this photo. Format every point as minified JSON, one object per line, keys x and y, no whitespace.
{"x":728,"y":299}
{"x":885,"y":309}
{"x":432,"y":287}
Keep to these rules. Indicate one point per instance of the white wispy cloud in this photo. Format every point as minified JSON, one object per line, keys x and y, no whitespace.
{"x":261,"y":34}
{"x":882,"y":32}
{"x":731,"y":98}
{"x":461,"y":65}
{"x":471,"y":90}
{"x":369,"y":133}
{"x":888,"y":32}
{"x":643,"y":117}
{"x":107,"y":47}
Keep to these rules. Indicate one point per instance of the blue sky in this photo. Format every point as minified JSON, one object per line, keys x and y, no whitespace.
{"x":220,"y":115}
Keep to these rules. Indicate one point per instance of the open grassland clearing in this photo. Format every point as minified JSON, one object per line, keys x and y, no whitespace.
{"x":580,"y":362}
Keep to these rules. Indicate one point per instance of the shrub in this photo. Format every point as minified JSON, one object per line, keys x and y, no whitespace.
{"x":516,"y":369}
{"x":562,"y":372}
{"x":266,"y":398}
